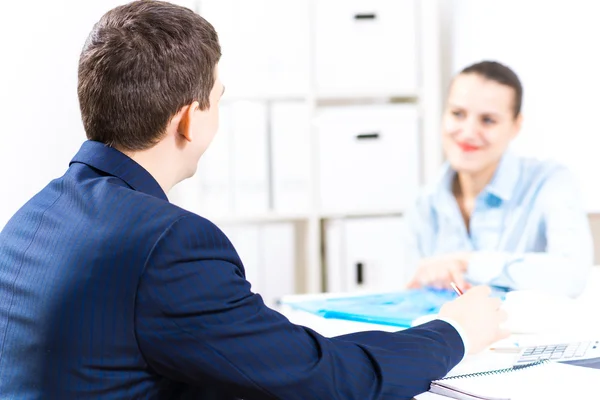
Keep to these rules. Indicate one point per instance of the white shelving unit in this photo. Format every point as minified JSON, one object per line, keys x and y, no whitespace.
{"x":341,"y":64}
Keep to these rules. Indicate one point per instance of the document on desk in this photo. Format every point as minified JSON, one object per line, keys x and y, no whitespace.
{"x":395,"y":309}
{"x":547,"y":380}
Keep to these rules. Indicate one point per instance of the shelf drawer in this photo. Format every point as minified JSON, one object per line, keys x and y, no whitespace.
{"x":368,"y":157}
{"x":366,"y":47}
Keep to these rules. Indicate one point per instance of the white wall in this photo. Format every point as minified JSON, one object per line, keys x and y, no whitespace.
{"x":41,"y":127}
{"x":554,"y":47}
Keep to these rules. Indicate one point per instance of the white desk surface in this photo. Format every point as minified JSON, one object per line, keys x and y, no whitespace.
{"x":584,"y":324}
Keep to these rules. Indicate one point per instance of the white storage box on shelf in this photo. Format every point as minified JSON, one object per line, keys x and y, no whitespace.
{"x":265,"y":46}
{"x":368,"y":157}
{"x":290,"y":157}
{"x":365,"y":254}
{"x":366,"y":48}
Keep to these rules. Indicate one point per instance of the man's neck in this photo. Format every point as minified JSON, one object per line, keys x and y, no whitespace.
{"x":157,"y":165}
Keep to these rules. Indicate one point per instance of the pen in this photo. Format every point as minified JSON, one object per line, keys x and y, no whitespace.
{"x":456,"y":289}
{"x":516,"y":349}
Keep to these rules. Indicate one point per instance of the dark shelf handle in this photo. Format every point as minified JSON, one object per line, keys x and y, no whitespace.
{"x":360,"y":270}
{"x":367,"y":136}
{"x":365,"y":16}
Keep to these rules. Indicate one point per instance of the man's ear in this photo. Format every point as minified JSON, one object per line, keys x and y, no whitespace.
{"x":185,"y":123}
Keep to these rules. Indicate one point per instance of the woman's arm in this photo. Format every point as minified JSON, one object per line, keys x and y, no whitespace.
{"x":564,"y":266}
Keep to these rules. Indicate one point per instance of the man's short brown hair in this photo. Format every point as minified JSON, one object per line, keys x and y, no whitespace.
{"x":141,"y":64}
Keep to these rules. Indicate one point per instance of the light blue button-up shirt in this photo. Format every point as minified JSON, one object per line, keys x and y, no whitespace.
{"x":528,"y":229}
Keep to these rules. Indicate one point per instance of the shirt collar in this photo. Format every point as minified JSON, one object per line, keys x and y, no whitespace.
{"x":502,"y":184}
{"x":505,"y":179}
{"x":111,"y":161}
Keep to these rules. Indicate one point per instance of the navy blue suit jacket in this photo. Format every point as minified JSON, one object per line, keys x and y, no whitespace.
{"x":108,"y":291}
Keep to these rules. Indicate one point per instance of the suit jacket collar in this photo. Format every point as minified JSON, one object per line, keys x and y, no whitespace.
{"x":111,"y":161}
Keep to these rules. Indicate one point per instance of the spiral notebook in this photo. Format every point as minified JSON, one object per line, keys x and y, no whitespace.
{"x":541,"y":380}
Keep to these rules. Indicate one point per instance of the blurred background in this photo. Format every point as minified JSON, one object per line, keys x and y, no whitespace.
{"x":330,"y":122}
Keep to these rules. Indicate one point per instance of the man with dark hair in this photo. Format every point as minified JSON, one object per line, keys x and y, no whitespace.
{"x":108,"y":291}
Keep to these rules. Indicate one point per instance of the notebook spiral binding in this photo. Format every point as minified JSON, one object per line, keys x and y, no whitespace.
{"x":496,"y":371}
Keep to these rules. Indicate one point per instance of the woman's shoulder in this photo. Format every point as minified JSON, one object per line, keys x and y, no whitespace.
{"x":541,"y":170}
{"x":541,"y":178}
{"x":437,"y":190}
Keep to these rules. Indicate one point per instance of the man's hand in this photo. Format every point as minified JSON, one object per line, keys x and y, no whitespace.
{"x":440,"y":271}
{"x":479,"y":315}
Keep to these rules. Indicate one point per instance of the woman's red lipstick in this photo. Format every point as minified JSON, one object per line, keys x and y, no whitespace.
{"x":467,"y":148}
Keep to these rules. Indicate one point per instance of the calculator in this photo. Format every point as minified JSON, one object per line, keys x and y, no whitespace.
{"x":560,"y":352}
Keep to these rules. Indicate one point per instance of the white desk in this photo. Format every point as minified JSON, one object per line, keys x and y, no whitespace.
{"x":582,"y":314}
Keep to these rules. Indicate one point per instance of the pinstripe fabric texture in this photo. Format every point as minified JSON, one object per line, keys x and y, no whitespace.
{"x":108,"y":291}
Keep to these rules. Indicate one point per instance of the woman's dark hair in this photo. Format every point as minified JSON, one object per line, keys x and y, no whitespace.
{"x":494,"y":71}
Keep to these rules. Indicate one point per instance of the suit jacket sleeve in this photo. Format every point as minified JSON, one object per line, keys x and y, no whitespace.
{"x":197,"y":321}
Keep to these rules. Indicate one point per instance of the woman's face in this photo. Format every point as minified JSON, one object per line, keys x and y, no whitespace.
{"x":478,"y":123}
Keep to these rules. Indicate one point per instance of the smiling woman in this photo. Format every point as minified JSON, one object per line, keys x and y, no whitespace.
{"x":493,"y":217}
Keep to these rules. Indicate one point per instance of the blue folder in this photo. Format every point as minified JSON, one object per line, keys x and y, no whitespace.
{"x":396,"y":309}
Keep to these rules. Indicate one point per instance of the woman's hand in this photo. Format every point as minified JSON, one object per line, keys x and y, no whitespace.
{"x":440,"y":271}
